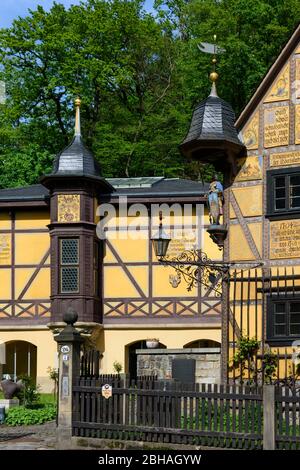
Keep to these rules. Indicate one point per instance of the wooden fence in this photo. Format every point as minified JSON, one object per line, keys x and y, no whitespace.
{"x":287,"y":402}
{"x":158,"y":411}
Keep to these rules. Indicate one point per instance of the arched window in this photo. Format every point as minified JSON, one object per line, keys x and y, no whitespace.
{"x":203,"y":343}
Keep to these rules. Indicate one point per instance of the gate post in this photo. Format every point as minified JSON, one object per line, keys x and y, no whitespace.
{"x":69,"y":342}
{"x":269,"y":417}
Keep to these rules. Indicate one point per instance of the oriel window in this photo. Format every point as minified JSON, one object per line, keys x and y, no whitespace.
{"x":69,"y":265}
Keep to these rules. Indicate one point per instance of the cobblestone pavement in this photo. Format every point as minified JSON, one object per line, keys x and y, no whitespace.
{"x":38,"y":437}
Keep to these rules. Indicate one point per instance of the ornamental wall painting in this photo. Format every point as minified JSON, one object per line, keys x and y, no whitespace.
{"x":249,"y":168}
{"x":250,"y":133}
{"x":281,"y":87}
{"x":68,"y":208}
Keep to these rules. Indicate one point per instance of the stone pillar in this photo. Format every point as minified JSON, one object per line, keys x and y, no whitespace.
{"x":69,"y":343}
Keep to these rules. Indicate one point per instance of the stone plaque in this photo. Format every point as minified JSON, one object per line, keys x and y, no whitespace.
{"x":250,"y":133}
{"x":280,"y":89}
{"x":285,"y":158}
{"x":68,"y":208}
{"x":250,"y":168}
{"x":276,"y":129}
{"x":297,"y":124}
{"x":285,"y":239}
{"x":5,"y":249}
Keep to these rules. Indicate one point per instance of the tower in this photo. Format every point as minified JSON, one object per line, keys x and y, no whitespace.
{"x":76,"y":253}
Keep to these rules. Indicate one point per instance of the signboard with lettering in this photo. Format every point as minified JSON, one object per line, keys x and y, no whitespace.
{"x":285,"y":158}
{"x":276,"y":129}
{"x":5,"y":249}
{"x":285,"y":239}
{"x":178,"y":245}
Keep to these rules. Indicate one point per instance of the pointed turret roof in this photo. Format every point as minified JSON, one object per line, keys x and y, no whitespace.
{"x":76,"y":160}
{"x":212,"y":132}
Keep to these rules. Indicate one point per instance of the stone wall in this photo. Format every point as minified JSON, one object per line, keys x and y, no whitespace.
{"x":159,"y":362}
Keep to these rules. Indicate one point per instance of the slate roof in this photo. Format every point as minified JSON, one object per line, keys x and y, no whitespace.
{"x":160,"y":186}
{"x":35,"y":192}
{"x":164,"y":187}
{"x":212,"y":120}
{"x":76,"y":159}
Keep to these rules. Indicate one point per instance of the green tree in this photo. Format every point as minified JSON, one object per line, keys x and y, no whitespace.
{"x":139,"y":76}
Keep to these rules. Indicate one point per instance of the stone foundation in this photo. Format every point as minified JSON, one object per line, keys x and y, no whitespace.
{"x":11,"y":403}
{"x":159,"y":362}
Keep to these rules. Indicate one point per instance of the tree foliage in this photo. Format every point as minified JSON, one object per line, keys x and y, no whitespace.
{"x":139,"y":75}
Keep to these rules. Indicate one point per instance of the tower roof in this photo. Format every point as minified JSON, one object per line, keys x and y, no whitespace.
{"x":76,"y":161}
{"x":213,"y":119}
{"x":76,"y":158}
{"x":212,"y":134}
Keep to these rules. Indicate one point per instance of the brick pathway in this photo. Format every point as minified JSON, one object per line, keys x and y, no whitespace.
{"x":37,"y":437}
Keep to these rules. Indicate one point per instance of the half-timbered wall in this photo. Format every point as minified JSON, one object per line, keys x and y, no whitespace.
{"x":271,"y":133}
{"x":24,"y":267}
{"x":138,"y":289}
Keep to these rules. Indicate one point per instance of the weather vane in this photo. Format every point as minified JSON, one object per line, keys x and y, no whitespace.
{"x":209,"y":48}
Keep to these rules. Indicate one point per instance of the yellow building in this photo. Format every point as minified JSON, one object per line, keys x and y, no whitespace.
{"x":78,"y":240}
{"x":52,"y":257}
{"x":262,"y":217}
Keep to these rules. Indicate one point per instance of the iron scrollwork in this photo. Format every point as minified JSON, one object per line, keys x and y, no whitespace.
{"x":194,"y":267}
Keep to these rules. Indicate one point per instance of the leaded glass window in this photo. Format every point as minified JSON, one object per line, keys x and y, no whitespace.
{"x":69,"y":265}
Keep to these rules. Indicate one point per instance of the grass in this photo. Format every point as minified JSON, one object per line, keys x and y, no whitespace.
{"x":45,"y":398}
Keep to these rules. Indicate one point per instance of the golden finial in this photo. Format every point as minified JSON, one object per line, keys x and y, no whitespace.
{"x":214,"y":75}
{"x":77,"y":116}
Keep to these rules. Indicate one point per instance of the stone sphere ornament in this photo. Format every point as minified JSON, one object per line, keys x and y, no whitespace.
{"x":70,"y":316}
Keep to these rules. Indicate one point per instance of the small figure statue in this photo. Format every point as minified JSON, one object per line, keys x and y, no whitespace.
{"x":215,"y":201}
{"x":11,"y":388}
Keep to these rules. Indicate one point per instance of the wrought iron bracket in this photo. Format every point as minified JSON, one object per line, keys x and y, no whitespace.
{"x":194,"y":267}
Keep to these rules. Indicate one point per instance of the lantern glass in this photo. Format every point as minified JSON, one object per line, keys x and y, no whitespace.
{"x":160,"y":244}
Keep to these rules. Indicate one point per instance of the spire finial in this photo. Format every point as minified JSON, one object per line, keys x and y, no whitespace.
{"x":77,"y":116}
{"x":214,"y":75}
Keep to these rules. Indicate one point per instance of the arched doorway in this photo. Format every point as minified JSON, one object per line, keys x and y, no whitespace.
{"x":131,"y":356}
{"x":20,"y":359}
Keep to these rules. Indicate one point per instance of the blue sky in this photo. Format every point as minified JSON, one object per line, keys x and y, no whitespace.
{"x":11,"y":9}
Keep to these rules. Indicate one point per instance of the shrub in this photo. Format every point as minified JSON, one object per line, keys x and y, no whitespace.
{"x":29,"y":394}
{"x":20,"y":415}
{"x":117,"y":367}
